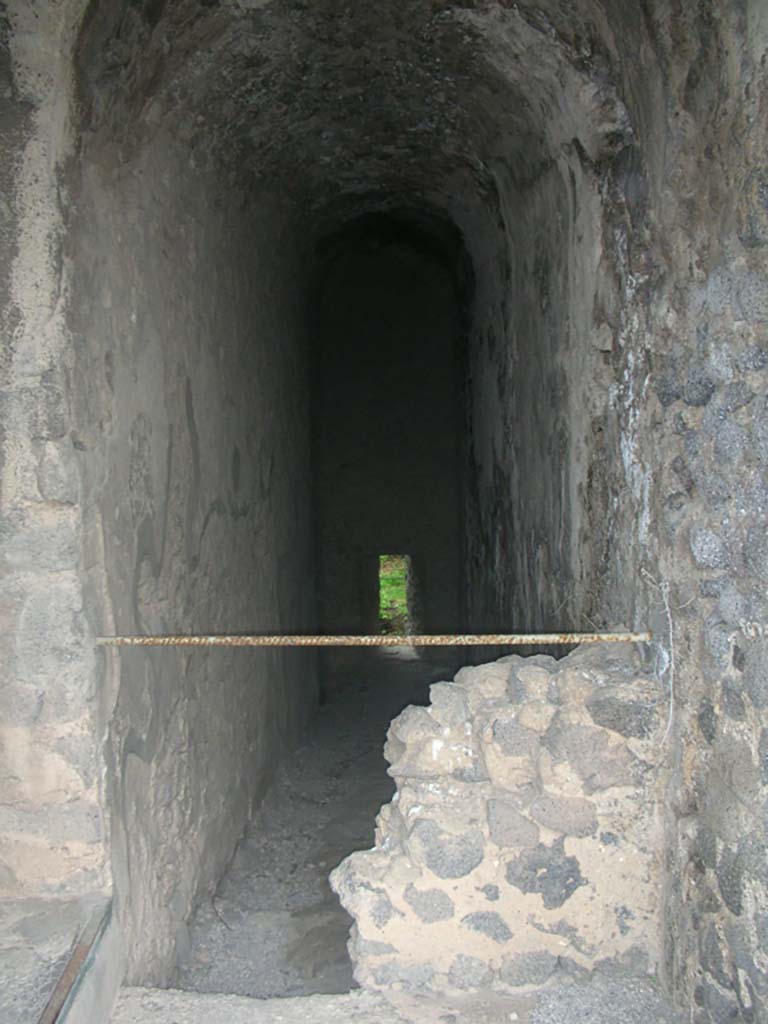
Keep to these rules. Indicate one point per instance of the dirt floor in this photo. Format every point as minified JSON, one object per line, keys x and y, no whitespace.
{"x":274,"y":927}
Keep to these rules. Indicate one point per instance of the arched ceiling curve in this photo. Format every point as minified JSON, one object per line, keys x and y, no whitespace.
{"x":333,"y":103}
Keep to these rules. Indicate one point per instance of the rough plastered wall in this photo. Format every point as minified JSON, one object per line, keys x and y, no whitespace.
{"x":386,"y":424}
{"x":524,"y":836}
{"x":194,"y":440}
{"x":545,"y":404}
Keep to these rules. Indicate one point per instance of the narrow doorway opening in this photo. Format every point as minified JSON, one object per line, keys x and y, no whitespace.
{"x":397,"y":594}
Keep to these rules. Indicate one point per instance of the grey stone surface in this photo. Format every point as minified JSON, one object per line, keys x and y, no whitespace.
{"x":469,"y":972}
{"x":35,"y":542}
{"x":413,"y":723}
{"x":449,"y":704}
{"x":721,"y":1006}
{"x":429,"y":904}
{"x":381,"y":909}
{"x":753,"y":856}
{"x":733,"y":701}
{"x":753,"y":358}
{"x":528,"y":969}
{"x":711,"y":956}
{"x":730,"y":879}
{"x":446,"y":855}
{"x":763,"y":755}
{"x":707,"y":720}
{"x":600,"y":763}
{"x":739,"y":394}
{"x":548,"y":871}
{"x":706,"y":845}
{"x":488,"y":923}
{"x":708,"y":549}
{"x":368,"y":947}
{"x":513,"y":739}
{"x":625,"y":717}
{"x":411,"y":977}
{"x":508,"y":826}
{"x":574,"y":816}
{"x":698,"y":389}
{"x":604,"y":1001}
{"x":756,"y":674}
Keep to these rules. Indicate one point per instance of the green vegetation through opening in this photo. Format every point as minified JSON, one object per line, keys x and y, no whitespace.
{"x":393,"y":593}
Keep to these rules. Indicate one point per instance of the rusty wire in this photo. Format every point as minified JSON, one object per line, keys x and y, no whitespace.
{"x":382,"y":640}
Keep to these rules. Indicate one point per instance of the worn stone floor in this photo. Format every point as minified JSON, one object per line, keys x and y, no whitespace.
{"x":274,"y":927}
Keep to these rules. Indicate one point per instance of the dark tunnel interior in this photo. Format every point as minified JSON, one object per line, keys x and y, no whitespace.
{"x":392,"y":315}
{"x":344,"y":287}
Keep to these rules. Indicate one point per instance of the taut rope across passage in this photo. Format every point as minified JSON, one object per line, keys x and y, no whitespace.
{"x":382,"y":640}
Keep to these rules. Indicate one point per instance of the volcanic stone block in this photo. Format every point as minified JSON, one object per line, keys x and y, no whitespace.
{"x":488,"y":923}
{"x":572,"y":815}
{"x":708,"y":549}
{"x":600,"y":762}
{"x":449,"y":705}
{"x":411,"y":977}
{"x":381,"y":909}
{"x":446,"y":855}
{"x":514,"y":740}
{"x":629,"y":718}
{"x":528,"y":968}
{"x":508,"y":827}
{"x":698,"y":389}
{"x":756,"y":674}
{"x":429,"y":905}
{"x":469,"y":972}
{"x":548,"y":871}
{"x":730,"y":878}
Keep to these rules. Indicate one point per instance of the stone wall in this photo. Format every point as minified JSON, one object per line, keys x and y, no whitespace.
{"x":524,"y":836}
{"x":702,"y":434}
{"x":52,"y":807}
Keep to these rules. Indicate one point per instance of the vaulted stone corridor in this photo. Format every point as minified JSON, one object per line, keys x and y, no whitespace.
{"x":289,"y":286}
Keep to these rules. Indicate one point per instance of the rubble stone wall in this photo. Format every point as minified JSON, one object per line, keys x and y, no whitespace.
{"x":524,"y":838}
